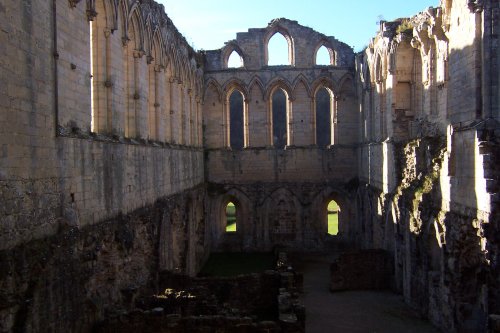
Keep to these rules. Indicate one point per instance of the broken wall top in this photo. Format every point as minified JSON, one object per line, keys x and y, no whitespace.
{"x":303,"y":45}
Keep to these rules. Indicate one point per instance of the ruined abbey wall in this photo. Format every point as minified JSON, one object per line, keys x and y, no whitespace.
{"x":298,"y":178}
{"x":101,"y":166}
{"x":428,"y":87}
{"x":121,"y":146}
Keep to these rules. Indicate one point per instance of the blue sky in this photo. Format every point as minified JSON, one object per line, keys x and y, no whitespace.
{"x":208,"y":24}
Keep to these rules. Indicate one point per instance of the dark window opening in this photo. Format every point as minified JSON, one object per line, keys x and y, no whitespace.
{"x":236,"y":140}
{"x":323,"y":118}
{"x":279,"y":103}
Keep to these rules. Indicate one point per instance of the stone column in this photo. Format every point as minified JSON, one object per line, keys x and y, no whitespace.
{"x":139,"y":132}
{"x":158,"y":106}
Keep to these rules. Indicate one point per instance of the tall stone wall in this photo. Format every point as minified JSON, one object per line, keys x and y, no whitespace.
{"x":101,"y":166}
{"x":430,"y":132}
{"x":272,"y":215}
{"x":270,"y":183}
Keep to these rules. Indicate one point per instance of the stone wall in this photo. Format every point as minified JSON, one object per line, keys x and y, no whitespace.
{"x":98,"y":192}
{"x":69,"y":281}
{"x":283,"y":215}
{"x":430,"y":135}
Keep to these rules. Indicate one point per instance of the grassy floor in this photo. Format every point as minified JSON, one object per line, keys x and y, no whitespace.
{"x":333,"y":223}
{"x":231,"y":264}
{"x":333,"y":218}
{"x":230,"y":217}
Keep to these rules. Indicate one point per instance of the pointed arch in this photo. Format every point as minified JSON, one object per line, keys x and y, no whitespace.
{"x":345,"y":213}
{"x":323,"y":81}
{"x":344,"y":80}
{"x":279,"y":82}
{"x":324,"y":116}
{"x":256,"y":82}
{"x":242,"y":211}
{"x":379,"y":71}
{"x":236,"y":113}
{"x":123,"y":20}
{"x":148,"y":39}
{"x":282,"y":218}
{"x":235,"y":83}
{"x":228,"y":49}
{"x":111,"y":14}
{"x":137,"y":26}
{"x":288,"y":37}
{"x":301,"y":79}
{"x":212,"y":83}
{"x":327,"y":45}
{"x":157,"y":49}
{"x":279,"y":114}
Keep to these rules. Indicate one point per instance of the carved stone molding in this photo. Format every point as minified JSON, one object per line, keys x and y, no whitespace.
{"x":73,"y":3}
{"x":91,"y":12}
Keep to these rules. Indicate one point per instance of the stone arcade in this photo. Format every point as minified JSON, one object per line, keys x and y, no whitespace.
{"x":121,"y":146}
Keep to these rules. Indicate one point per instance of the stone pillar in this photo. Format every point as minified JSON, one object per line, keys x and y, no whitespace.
{"x":246,"y":135}
{"x":159,"y":107}
{"x":108,"y":83}
{"x":290,"y":132}
{"x":138,"y":99}
{"x":171,"y":109}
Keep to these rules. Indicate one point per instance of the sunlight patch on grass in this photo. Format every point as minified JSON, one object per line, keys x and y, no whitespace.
{"x":333,"y":223}
{"x":230,"y":217}
{"x":333,"y":218}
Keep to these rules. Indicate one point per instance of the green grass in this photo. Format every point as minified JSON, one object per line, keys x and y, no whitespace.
{"x":230,"y":217}
{"x":333,"y":207}
{"x":232,"y":264}
{"x":333,"y":218}
{"x":333,"y":223}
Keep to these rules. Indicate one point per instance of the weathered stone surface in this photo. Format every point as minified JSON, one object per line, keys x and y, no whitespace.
{"x":112,"y":124}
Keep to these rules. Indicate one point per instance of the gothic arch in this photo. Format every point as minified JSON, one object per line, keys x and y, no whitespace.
{"x":111,"y":14}
{"x":235,"y":84}
{"x":212,"y":83}
{"x":157,"y":50}
{"x":228,"y":50}
{"x":329,"y":48}
{"x":256,"y":82}
{"x":344,"y":81}
{"x":321,"y":82}
{"x":320,"y":202}
{"x":137,"y":26}
{"x":301,"y":79}
{"x":276,"y":83}
{"x":229,"y":88}
{"x":379,"y":71}
{"x":282,"y":229}
{"x":243,"y":205}
{"x":284,"y":32}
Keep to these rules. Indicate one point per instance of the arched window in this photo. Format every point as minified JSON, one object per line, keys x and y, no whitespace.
{"x":230,"y":217}
{"x":332,"y":211}
{"x":279,"y":110}
{"x":323,"y":102}
{"x":278,"y":50}
{"x":236,"y":123}
{"x":235,"y":60}
{"x":323,"y":57}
